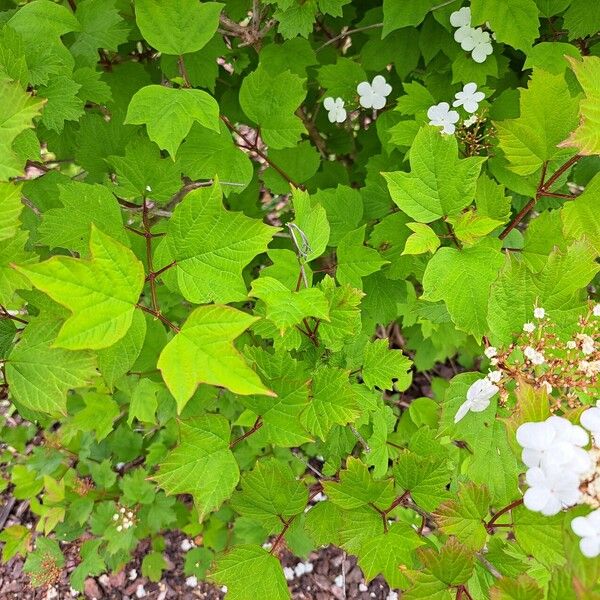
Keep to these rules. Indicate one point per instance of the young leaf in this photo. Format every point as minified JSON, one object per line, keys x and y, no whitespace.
{"x":439,"y":183}
{"x":101,"y":292}
{"x":203,"y":352}
{"x":424,"y":239}
{"x":169,"y":113}
{"x":201,"y":464}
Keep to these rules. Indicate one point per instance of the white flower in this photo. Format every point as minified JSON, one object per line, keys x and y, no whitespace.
{"x":587,"y":343}
{"x":478,"y":398}
{"x":529,"y":327}
{"x":469,"y":98}
{"x":588,"y":529}
{"x":336,"y":111}
{"x":148,"y":188}
{"x":550,"y":490}
{"x":554,"y":443}
{"x":191,"y":581}
{"x":119,"y":528}
{"x":440,"y":115}
{"x":596,"y":310}
{"x":494,"y":376}
{"x":461,"y":17}
{"x":464,"y":35}
{"x":539,"y":312}
{"x":490,"y":351}
{"x":470,"y":121}
{"x":571,"y":344}
{"x":482,"y":45}
{"x":548,"y":387}
{"x":590,"y":419}
{"x":373,"y":95}
{"x":537,"y":358}
{"x":590,"y":368}
{"x":288,"y":573}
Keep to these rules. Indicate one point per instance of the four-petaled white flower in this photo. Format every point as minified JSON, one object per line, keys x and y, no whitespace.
{"x":494,"y":376}
{"x":490,"y":351}
{"x":539,"y":312}
{"x":469,"y":98}
{"x":550,"y":490}
{"x":529,"y":327}
{"x":588,"y":529}
{"x":536,"y":357}
{"x":336,"y":111}
{"x":478,"y":398}
{"x":596,"y":310}
{"x":373,"y":95}
{"x":440,"y":115}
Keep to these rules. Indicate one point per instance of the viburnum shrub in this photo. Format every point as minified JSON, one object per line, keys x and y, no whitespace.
{"x":242,"y":245}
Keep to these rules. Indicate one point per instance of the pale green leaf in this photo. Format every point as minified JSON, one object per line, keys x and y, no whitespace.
{"x":424,"y":239}
{"x":385,"y":368}
{"x":10,"y":209}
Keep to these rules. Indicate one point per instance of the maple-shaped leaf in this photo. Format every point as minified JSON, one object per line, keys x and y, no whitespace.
{"x":385,"y":368}
{"x":10,"y":209}
{"x":203,"y":352}
{"x":269,"y":493}
{"x":580,"y":216}
{"x":169,"y":113}
{"x":212,"y":246}
{"x":289,"y":379}
{"x":389,"y":553}
{"x":355,"y":260}
{"x":142,"y":172}
{"x":40,"y":375}
{"x":101,"y":292}
{"x":17,"y":110}
{"x":286,"y":308}
{"x":523,"y":587}
{"x":201,"y":464}
{"x":82,"y":205}
{"x":101,"y":27}
{"x":463,"y":516}
{"x":246,"y":568}
{"x":356,"y":487}
{"x":271,"y":101}
{"x":452,"y":564}
{"x":425,"y":477}
{"x":334,"y":402}
{"x":98,"y":414}
{"x":439,"y":183}
{"x":178,"y":26}
{"x":63,"y":103}
{"x":14,"y":250}
{"x":547,"y":114}
{"x":462,"y":279}
{"x":586,"y":138}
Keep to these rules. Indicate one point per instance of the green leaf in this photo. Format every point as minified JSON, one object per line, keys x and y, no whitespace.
{"x":212,"y":246}
{"x":551,"y":56}
{"x":177,"y":27}
{"x":202,"y":463}
{"x":333,"y":402}
{"x":169,"y":113}
{"x":153,"y":565}
{"x":203,"y":352}
{"x":401,"y":14}
{"x":522,"y":588}
{"x":18,"y":110}
{"x":357,"y":488}
{"x":63,"y":103}
{"x":83,"y":205}
{"x":44,"y":561}
{"x":463,"y":516}
{"x":491,"y":200}
{"x":91,"y":563}
{"x":101,"y":292}
{"x":470,"y":226}
{"x":98,"y":414}
{"x":355,"y":260}
{"x":586,"y":138}
{"x":384,"y":367}
{"x":10,"y":210}
{"x":580,"y":216}
{"x":144,"y":402}
{"x":548,"y":113}
{"x":312,"y":222}
{"x":101,"y":27}
{"x":439,"y":183}
{"x":581,"y":19}
{"x":344,"y":209}
{"x":515,"y":23}
{"x":424,"y":239}
{"x":271,"y":101}
{"x":296,"y":19}
{"x":40,"y":375}
{"x":462,"y":279}
{"x":270,"y":493}
{"x":247,"y":568}
{"x":286,"y":308}
{"x":540,"y":536}
{"x":16,"y":539}
{"x":426,"y":478}
{"x":452,"y":564}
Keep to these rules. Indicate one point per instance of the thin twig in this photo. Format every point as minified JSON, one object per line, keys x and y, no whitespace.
{"x":257,"y":425}
{"x":183,"y":72}
{"x":490,"y":524}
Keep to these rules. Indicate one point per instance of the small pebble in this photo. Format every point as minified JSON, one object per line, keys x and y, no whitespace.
{"x":339,"y":581}
{"x":362,"y":587}
{"x":140,"y":591}
{"x":132,"y":575}
{"x":289,"y":574}
{"x":191,"y":581}
{"x":187,"y":545}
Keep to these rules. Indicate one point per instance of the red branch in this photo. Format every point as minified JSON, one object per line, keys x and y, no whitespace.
{"x":492,"y":522}
{"x":257,"y":425}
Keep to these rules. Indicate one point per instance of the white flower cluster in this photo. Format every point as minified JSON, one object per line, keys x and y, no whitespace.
{"x":471,"y":39}
{"x":125,"y":519}
{"x":370,"y":95}
{"x":440,"y":114}
{"x":479,"y":395}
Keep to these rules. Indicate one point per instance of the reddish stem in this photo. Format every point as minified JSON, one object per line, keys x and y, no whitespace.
{"x":491,"y":523}
{"x":257,"y":425}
